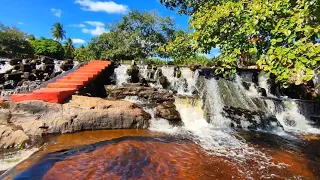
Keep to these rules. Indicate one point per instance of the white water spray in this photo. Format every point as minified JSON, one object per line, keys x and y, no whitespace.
{"x":121,"y":74}
{"x":11,"y":159}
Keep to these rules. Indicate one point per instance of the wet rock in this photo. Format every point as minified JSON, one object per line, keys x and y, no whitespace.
{"x":16,"y":67}
{"x":66,"y":67}
{"x":167,"y":110}
{"x":2,"y":78}
{"x":81,"y":113}
{"x":55,"y":74}
{"x":47,"y":60}
{"x":4,"y":116}
{"x":135,"y":89}
{"x":253,"y":120}
{"x":25,"y":67}
{"x":12,"y":136}
{"x":17,"y":76}
{"x":48,"y":68}
{"x":164,"y":82}
{"x":194,"y":67}
{"x":262,"y":92}
{"x":246,"y":85}
{"x":13,"y":62}
{"x":9,"y":84}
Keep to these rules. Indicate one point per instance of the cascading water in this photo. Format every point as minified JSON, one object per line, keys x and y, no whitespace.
{"x":293,"y":121}
{"x":121,"y":74}
{"x":11,"y":159}
{"x":285,"y":110}
{"x":263,"y":82}
{"x":6,"y":67}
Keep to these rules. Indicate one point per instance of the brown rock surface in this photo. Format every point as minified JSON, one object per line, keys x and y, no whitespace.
{"x":135,"y":89}
{"x":12,"y":136}
{"x":37,"y":118}
{"x":167,"y":110}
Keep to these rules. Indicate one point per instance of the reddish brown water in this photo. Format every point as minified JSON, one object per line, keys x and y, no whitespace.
{"x":137,"y":154}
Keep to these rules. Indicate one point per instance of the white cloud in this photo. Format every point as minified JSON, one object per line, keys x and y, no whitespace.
{"x":95,"y":32}
{"x":20,"y":23}
{"x":98,"y":30}
{"x":95,"y":23}
{"x":78,"y":25}
{"x":56,"y":12}
{"x":102,"y":6}
{"x":78,"y":41}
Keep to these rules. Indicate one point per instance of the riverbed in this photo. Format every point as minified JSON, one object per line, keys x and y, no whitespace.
{"x":144,"y":154}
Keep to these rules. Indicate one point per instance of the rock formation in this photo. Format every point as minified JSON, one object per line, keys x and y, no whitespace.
{"x":30,"y":120}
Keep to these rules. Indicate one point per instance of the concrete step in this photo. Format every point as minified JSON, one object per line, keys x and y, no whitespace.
{"x":58,"y":91}
{"x":65,"y":85}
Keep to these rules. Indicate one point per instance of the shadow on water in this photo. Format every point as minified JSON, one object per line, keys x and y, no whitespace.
{"x":40,"y":169}
{"x":138,"y":154}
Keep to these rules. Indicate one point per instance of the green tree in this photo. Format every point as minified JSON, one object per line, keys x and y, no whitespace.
{"x":69,"y":48}
{"x":31,"y":37}
{"x":83,"y":54}
{"x":187,"y":7}
{"x":58,"y":33}
{"x":13,"y":42}
{"x":281,"y":35}
{"x":137,"y":36}
{"x":48,"y":47}
{"x":182,"y":48}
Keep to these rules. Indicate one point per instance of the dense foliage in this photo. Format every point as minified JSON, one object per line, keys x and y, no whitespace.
{"x":69,"y":49}
{"x":83,"y":54}
{"x":182,"y":48}
{"x":187,"y":7}
{"x":13,"y":42}
{"x":279,"y":35}
{"x":48,"y":47}
{"x":137,"y":36}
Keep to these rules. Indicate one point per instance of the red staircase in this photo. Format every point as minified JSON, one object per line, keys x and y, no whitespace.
{"x":66,"y":86}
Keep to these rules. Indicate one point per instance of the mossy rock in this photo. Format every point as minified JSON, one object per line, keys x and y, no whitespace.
{"x":13,"y":62}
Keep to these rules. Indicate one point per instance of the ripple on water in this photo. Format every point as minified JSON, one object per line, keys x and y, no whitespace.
{"x":159,"y":157}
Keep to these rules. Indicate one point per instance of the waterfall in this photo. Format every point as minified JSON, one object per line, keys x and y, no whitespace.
{"x":293,"y":121}
{"x":214,"y":104}
{"x":121,"y":74}
{"x":263,"y":82}
{"x":286,"y":111}
{"x":6,"y":67}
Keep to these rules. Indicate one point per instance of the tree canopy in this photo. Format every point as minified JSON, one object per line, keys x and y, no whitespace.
{"x":279,"y":35}
{"x":13,"y":41}
{"x":182,"y":48}
{"x":137,"y":36}
{"x":187,"y":7}
{"x":69,"y":48}
{"x":48,"y":47}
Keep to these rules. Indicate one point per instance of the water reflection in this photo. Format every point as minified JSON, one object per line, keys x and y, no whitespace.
{"x":139,"y":154}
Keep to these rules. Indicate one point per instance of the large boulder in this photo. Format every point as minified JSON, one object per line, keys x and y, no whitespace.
{"x":248,"y":119}
{"x":167,"y":110}
{"x":26,"y":67}
{"x":4,"y":116}
{"x":12,"y":136}
{"x":13,"y":62}
{"x":37,"y":118}
{"x":66,"y":67}
{"x":136,"y":89}
{"x":47,"y":60}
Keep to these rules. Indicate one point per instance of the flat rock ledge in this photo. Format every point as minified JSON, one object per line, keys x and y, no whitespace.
{"x":26,"y":121}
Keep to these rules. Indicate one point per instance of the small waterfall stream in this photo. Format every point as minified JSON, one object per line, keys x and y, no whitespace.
{"x":206,"y":126}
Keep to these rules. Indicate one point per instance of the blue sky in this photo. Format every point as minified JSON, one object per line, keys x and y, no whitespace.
{"x":82,"y":19}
